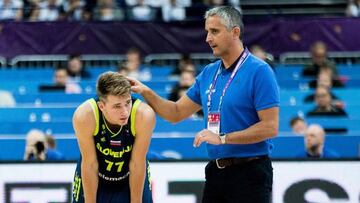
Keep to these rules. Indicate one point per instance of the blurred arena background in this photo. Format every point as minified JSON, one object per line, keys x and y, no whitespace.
{"x":52,"y":51}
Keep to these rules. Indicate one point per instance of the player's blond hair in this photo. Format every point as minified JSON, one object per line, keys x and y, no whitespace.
{"x":112,"y":83}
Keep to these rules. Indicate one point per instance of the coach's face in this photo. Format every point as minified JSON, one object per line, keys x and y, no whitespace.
{"x":218,"y":37}
{"x":116,"y":109}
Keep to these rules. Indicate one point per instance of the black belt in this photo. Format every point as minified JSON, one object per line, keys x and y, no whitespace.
{"x":226,"y":162}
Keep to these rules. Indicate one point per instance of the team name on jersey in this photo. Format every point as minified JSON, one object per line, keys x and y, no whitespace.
{"x":108,"y":151}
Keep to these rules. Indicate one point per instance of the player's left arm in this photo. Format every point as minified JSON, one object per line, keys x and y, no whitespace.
{"x":144,"y":125}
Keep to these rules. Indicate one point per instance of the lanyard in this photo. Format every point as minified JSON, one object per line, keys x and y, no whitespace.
{"x":244,"y":55}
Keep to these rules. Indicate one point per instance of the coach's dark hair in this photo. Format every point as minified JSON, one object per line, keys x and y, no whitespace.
{"x":231,"y":17}
{"x":112,"y":83}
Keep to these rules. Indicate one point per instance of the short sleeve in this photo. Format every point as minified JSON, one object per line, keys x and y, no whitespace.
{"x":266,"y":90}
{"x":194,"y":91}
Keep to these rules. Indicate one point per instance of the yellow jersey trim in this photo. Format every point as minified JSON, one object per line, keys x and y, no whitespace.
{"x":113,"y":134}
{"x":133,"y":113}
{"x":96,"y":114}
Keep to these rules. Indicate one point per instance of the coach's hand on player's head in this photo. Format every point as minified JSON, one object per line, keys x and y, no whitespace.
{"x":206,"y":136}
{"x":136,"y":85}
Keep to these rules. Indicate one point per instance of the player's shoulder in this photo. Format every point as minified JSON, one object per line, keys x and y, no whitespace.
{"x":84,"y":112}
{"x":144,"y":109}
{"x":145,"y":118}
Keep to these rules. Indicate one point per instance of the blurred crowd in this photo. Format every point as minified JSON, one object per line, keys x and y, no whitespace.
{"x":105,"y":10}
{"x":321,"y":71}
{"x":119,"y":10}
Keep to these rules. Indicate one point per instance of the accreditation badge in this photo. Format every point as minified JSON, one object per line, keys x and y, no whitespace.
{"x":213,"y":123}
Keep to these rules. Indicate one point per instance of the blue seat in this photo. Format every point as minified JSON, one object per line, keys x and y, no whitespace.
{"x":292,"y":72}
{"x":353,"y":83}
{"x":287,"y":112}
{"x":353,"y":71}
{"x":22,"y":127}
{"x":21,"y":87}
{"x":33,"y":114}
{"x":96,"y":71}
{"x":160,"y":72}
{"x":51,"y":98}
{"x":161,"y":85}
{"x":28,"y":74}
{"x":188,"y":125}
{"x":291,"y":97}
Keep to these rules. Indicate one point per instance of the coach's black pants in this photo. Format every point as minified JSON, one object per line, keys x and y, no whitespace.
{"x":249,"y":182}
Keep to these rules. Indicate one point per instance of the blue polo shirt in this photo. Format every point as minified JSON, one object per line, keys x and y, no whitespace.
{"x":253,"y":88}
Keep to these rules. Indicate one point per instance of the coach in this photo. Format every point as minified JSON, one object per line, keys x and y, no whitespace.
{"x":240,"y":99}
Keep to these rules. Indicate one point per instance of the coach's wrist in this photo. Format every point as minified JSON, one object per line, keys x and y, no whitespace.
{"x":222,"y":137}
{"x":146,"y":90}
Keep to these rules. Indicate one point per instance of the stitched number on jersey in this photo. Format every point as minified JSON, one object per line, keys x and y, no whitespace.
{"x":119,"y":165}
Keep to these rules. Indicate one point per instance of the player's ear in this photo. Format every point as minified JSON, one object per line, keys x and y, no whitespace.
{"x":101,"y":105}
